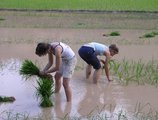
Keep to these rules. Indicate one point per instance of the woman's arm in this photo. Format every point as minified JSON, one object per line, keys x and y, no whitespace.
{"x":50,"y":62}
{"x":58,"y":51}
{"x":106,"y":67}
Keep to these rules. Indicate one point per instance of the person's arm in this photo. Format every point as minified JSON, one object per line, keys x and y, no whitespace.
{"x":50,"y":62}
{"x":58,"y":51}
{"x":106,"y":67}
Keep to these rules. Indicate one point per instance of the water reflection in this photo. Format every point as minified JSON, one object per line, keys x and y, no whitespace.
{"x":88,"y":99}
{"x":62,"y":108}
{"x":12,"y":84}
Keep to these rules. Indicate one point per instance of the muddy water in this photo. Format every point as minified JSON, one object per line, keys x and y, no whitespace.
{"x":87,"y":97}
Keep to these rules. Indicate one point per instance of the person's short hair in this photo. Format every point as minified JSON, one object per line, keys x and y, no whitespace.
{"x":114,"y":47}
{"x":42,"y":48}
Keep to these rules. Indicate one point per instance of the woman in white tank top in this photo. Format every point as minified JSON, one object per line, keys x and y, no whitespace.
{"x":64,"y":67}
{"x":89,"y":52}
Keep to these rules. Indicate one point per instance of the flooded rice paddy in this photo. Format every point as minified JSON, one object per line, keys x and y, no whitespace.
{"x":19,"y":35}
{"x":109,"y":98}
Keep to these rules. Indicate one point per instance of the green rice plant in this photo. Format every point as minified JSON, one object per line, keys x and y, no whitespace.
{"x":151,"y":71}
{"x":115,"y":33}
{"x":128,"y":75}
{"x":29,"y":69}
{"x":114,"y":66}
{"x":127,"y":79}
{"x":130,"y":71}
{"x":45,"y":82}
{"x":155,"y":32}
{"x":1,"y":19}
{"x":139,"y":71}
{"x":45,"y":91}
{"x":155,"y":78}
{"x":149,"y":35}
{"x":6,"y":99}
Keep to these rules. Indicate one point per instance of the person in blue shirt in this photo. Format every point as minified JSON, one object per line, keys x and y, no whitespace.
{"x":89,"y":53}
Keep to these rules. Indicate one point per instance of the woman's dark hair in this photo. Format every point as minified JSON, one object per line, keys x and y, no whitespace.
{"x":114,"y":47}
{"x":42,"y":48}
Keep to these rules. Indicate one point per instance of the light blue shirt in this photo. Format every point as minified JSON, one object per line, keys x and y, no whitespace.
{"x":99,"y":48}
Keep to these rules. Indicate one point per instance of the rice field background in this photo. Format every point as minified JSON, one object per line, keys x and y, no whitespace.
{"x":107,"y":5}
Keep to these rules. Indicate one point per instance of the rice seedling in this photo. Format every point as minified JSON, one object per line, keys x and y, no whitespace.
{"x":139,"y":71}
{"x":45,"y":82}
{"x":45,"y":91}
{"x":1,"y":19}
{"x":128,"y":71}
{"x":29,"y":69}
{"x":155,"y":32}
{"x":115,"y":33}
{"x":6,"y":99}
{"x":149,"y":35}
{"x":155,"y":78}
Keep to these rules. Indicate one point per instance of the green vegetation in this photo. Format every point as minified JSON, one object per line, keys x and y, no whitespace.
{"x":1,"y":19}
{"x":6,"y":99}
{"x":29,"y":69}
{"x":45,"y":83}
{"x":131,"y":71}
{"x":115,"y":33}
{"x":113,"y":5}
{"x":44,"y":91}
{"x":149,"y":35}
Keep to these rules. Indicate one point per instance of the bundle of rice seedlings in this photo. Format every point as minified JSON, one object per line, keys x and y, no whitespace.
{"x":45,"y":91}
{"x":115,"y":33}
{"x":45,"y":82}
{"x":6,"y":99}
{"x":29,"y":69}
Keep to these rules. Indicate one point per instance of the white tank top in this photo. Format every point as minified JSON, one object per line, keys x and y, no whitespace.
{"x":67,"y":52}
{"x":98,"y":48}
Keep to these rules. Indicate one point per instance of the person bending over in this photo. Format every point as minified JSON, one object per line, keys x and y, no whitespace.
{"x":89,"y":53}
{"x":65,"y":62}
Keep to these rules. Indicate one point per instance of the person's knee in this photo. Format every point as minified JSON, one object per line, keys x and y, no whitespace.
{"x":57,"y":76}
{"x":65,"y":84}
{"x":97,"y":67}
{"x":80,"y":52}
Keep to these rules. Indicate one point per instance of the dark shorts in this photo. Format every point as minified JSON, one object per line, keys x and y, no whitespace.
{"x":87,"y":54}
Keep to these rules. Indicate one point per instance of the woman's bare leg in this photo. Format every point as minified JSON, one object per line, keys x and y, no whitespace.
{"x":96,"y":76}
{"x":88,"y":71}
{"x":57,"y":82}
{"x":67,"y":89}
